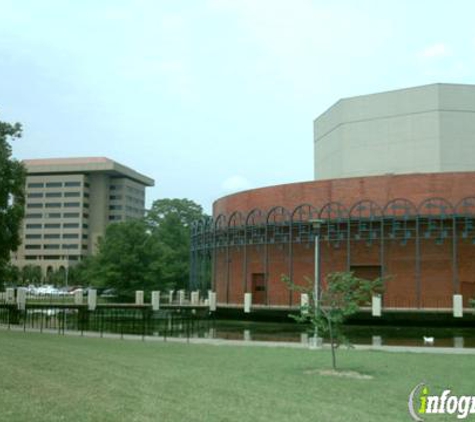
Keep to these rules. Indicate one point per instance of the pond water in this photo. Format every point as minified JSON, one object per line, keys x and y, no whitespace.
{"x":364,"y":335}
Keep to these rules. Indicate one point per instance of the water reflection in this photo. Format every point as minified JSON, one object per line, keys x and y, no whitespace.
{"x":364,"y":335}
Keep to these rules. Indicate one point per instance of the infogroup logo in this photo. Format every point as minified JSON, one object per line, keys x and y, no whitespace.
{"x":421,"y":403}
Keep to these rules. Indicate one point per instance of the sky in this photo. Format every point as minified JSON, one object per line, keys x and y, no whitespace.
{"x":211,"y":97}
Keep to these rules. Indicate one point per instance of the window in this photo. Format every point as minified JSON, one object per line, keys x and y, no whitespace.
{"x":31,"y":257}
{"x":32,"y":246}
{"x":86,"y":195}
{"x":33,"y":226}
{"x":114,"y":197}
{"x":71,"y":215}
{"x":72,"y":194}
{"x":33,"y":236}
{"x":72,"y":184}
{"x":35,"y":195}
{"x":86,"y":205}
{"x":85,"y":226}
{"x":35,"y":185}
{"x":71,"y":225}
{"x":52,"y":236}
{"x":31,"y":215}
{"x":53,"y":194}
{"x":33,"y":205}
{"x":54,"y":246}
{"x":115,"y":207}
{"x":84,"y":247}
{"x":53,"y":205}
{"x":51,"y":257}
{"x":52,"y":226}
{"x":54,"y":184}
{"x":71,"y":204}
{"x":71,"y":246}
{"x":85,"y":215}
{"x":70,"y":236}
{"x":84,"y":236}
{"x":86,"y":184}
{"x":53,"y":215}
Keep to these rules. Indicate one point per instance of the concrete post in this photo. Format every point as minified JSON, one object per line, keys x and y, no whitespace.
{"x":170,"y":296}
{"x":247,"y":302}
{"x":377,"y":341}
{"x":376,"y":306}
{"x":92,"y":299}
{"x":459,"y":342}
{"x":78,"y":297}
{"x":10,"y":295}
{"x":155,"y":300}
{"x":181,"y":297}
{"x":195,"y":298}
{"x":458,"y":306}
{"x":304,"y":302}
{"x":212,"y":301}
{"x":139,"y":297}
{"x":247,"y":335}
{"x":21,"y":298}
{"x":304,"y":338}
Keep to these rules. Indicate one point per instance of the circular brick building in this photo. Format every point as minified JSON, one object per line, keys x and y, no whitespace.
{"x":394,"y":196}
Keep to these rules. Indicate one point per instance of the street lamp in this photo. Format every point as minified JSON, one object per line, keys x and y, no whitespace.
{"x":316,"y":224}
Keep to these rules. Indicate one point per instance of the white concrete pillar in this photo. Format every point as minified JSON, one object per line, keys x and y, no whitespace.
{"x":212,"y":301}
{"x":247,"y":302}
{"x":458,"y":306}
{"x":247,"y":335}
{"x":195,"y":298}
{"x":139,"y":297}
{"x":181,"y":297}
{"x":91,"y":299}
{"x":304,"y":338}
{"x":10,"y":295}
{"x":78,"y":297}
{"x":155,"y":300}
{"x":21,"y":298}
{"x":315,"y":342}
{"x":170,"y":296}
{"x":377,"y":341}
{"x":376,"y":306}
{"x":304,"y":302}
{"x":459,"y":342}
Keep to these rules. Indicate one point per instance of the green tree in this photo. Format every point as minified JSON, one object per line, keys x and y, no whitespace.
{"x":31,"y":274}
{"x":170,"y":221}
{"x":12,"y":196}
{"x":342,"y":297}
{"x":128,"y":258}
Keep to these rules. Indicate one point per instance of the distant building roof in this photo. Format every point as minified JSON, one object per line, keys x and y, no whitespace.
{"x":84,"y":165}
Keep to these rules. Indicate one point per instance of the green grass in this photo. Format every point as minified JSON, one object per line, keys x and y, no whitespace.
{"x":60,"y":378}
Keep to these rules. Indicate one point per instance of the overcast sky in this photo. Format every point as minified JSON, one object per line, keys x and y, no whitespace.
{"x":212,"y":97}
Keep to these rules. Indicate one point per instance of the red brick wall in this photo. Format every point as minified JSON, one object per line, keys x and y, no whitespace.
{"x":436,"y":267}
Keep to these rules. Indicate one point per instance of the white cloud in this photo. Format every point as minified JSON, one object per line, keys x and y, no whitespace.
{"x":235,"y":183}
{"x":438,"y":50}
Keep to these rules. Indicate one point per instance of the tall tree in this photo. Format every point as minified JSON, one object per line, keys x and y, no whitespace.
{"x":12,"y":196}
{"x":170,"y":220}
{"x":128,"y":258}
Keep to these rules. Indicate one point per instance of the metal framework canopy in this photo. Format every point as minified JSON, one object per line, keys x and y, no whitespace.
{"x":397,"y":222}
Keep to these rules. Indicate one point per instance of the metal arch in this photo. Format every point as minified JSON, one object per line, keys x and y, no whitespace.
{"x":333,"y":211}
{"x":312,"y":212}
{"x":278,"y":211}
{"x":466,"y":207}
{"x":251,"y":214}
{"x":233,"y":217}
{"x":219,"y":222}
{"x":435,"y":203}
{"x":375,"y":211}
{"x":397,"y":204}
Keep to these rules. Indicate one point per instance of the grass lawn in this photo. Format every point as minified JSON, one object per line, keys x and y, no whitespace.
{"x":59,"y":378}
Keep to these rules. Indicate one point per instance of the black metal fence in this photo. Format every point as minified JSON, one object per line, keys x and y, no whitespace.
{"x":106,"y":319}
